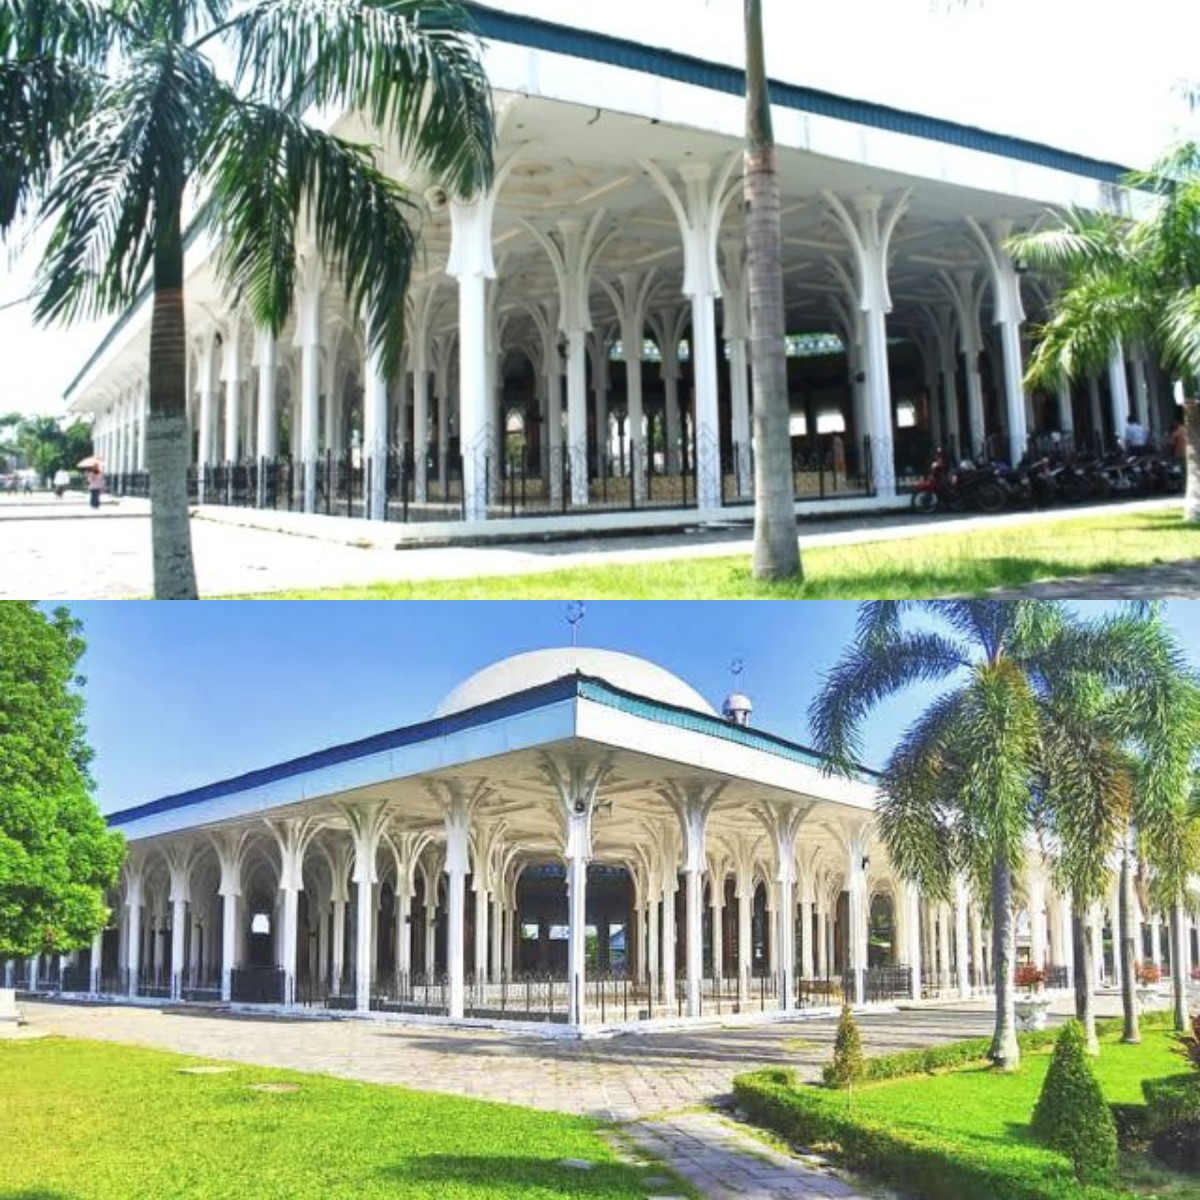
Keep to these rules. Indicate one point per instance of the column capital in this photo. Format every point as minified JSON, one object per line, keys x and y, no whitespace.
{"x":692,"y":801}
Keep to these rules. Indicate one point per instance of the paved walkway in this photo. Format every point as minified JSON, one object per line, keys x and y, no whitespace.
{"x":1169,"y":581}
{"x":55,"y":552}
{"x":652,"y":1083}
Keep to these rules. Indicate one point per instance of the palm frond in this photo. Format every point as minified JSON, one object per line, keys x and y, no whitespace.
{"x":268,"y":169}
{"x":868,"y":672}
{"x":1081,"y":241}
{"x":126,"y":166}
{"x":919,"y":801}
{"x":410,"y":65}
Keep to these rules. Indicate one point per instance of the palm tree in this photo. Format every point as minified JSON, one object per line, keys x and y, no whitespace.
{"x":776,"y":546}
{"x":115,"y":116}
{"x":975,"y":774}
{"x":1137,"y":281}
{"x":1120,"y":719}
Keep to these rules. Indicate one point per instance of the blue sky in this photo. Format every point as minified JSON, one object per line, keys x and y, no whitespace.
{"x":180,"y":695}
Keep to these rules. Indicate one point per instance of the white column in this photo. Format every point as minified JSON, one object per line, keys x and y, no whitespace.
{"x":1114,"y":917}
{"x":1118,"y":386}
{"x":472,"y":265}
{"x":692,"y":806}
{"x":178,"y":929}
{"x":962,"y":949}
{"x":206,"y":390}
{"x":736,"y":329}
{"x":807,"y":960}
{"x":670,"y":885}
{"x":134,"y":896}
{"x":1141,"y":391}
{"x":857,"y":911}
{"x":943,"y":941}
{"x":631,"y":302}
{"x":1009,"y":316}
{"x":578,"y":854}
{"x":231,"y":375}
{"x":308,"y":340}
{"x":1156,"y":939}
{"x":717,"y":908}
{"x":822,"y":939}
{"x":653,"y":942}
{"x":481,"y":926}
{"x":1066,"y":413}
{"x":430,"y":934}
{"x":496,"y":928}
{"x":457,"y":819}
{"x":421,"y":435}
{"x":375,"y":435}
{"x":143,"y":417}
{"x":1097,"y":932}
{"x":870,"y":233}
{"x":98,"y":954}
{"x":912,"y":904}
{"x":1037,"y":920}
{"x":267,"y":433}
{"x":670,"y":377}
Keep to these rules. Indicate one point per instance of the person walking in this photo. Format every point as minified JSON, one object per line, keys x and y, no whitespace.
{"x":61,"y":482}
{"x":95,"y":486}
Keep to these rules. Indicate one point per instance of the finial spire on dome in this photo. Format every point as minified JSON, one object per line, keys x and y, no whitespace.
{"x":576,"y":611}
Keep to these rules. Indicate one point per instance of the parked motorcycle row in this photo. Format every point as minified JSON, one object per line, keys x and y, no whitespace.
{"x":1040,"y":482}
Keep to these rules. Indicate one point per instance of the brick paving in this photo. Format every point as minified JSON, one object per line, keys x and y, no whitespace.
{"x":651,"y":1083}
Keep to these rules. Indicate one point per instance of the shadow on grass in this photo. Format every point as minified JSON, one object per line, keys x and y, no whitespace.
{"x":495,"y":1174}
{"x":35,"y":1194}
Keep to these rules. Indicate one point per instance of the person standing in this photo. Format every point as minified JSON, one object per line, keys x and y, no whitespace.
{"x":1135,"y":436}
{"x":95,"y":486}
{"x":62,"y":481}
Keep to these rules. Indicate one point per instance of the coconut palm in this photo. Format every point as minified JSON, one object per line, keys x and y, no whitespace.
{"x":1136,"y":281}
{"x":1172,"y":850}
{"x":968,"y":783}
{"x":1120,"y":725}
{"x":116,"y":117}
{"x":776,"y":547}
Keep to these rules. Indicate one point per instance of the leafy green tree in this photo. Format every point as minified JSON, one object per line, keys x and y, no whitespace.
{"x":56,"y":853}
{"x":776,"y":546}
{"x":1133,"y":281}
{"x":113,"y":116}
{"x":1071,"y":1114}
{"x":966,"y":786}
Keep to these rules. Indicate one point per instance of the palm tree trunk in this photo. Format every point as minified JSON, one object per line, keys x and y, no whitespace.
{"x":1085,"y":977}
{"x":166,"y":428}
{"x":1128,"y":954}
{"x":1191,"y":420}
{"x":1178,"y":968}
{"x":776,"y":547}
{"x":1005,"y":1054}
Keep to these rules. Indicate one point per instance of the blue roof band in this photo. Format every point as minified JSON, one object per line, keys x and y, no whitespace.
{"x":569,"y":687}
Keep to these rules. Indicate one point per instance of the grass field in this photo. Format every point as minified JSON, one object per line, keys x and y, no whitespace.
{"x":942,"y":565}
{"x":86,"y":1119}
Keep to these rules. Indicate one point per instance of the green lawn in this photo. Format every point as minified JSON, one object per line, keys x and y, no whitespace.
{"x":978,"y":1115}
{"x":942,"y":565}
{"x":87,"y":1119}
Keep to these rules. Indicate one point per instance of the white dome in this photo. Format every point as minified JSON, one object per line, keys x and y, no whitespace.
{"x":523,"y":671}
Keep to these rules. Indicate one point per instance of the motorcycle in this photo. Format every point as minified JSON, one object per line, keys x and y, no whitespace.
{"x":959,"y":488}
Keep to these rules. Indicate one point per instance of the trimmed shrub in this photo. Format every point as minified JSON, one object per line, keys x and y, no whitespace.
{"x":1172,"y":1120}
{"x":848,"y":1065}
{"x":1071,"y":1114}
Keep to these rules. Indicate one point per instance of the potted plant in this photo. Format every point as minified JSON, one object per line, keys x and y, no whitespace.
{"x":1149,"y":976}
{"x":1032,"y":1007}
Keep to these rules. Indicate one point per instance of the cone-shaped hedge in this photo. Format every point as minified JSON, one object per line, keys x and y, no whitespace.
{"x":1071,"y":1114}
{"x":848,"y":1064}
